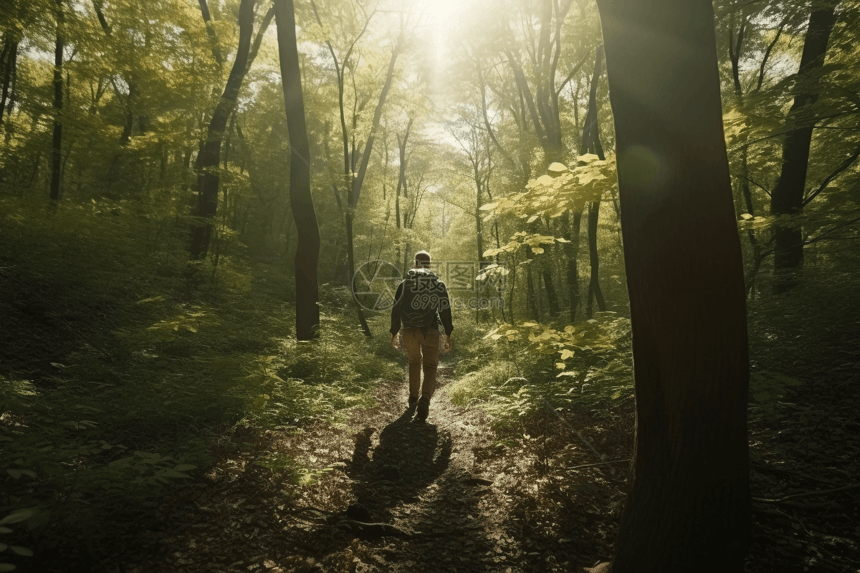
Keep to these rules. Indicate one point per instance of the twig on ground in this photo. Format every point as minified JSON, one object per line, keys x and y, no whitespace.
{"x":600,"y":464}
{"x":581,"y":437}
{"x":808,"y":494}
{"x":790,"y":472}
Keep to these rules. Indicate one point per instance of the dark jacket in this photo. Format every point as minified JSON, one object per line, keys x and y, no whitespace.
{"x":441,"y":303}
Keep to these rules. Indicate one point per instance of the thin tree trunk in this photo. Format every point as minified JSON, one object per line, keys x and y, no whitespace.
{"x":401,"y":180}
{"x":129,"y":113}
{"x":551,"y":295}
{"x":787,"y":196}
{"x":748,"y":200}
{"x":301,"y":200}
{"x":572,"y":250}
{"x":591,"y":144}
{"x":57,"y":156}
{"x":210,"y":156}
{"x":210,"y":31}
{"x":593,"y":286}
{"x":531,"y":298}
{"x":10,"y":58}
{"x":688,"y":507}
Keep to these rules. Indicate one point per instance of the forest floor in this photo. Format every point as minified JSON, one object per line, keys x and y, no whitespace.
{"x":445,"y":495}
{"x":381,"y":493}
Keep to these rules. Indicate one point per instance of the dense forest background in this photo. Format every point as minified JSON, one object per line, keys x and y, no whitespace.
{"x":149,"y":238}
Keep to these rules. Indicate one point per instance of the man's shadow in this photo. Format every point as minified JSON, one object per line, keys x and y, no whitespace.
{"x":410,"y":456}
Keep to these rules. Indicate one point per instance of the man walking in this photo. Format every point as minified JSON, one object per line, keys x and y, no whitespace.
{"x":420,"y":302}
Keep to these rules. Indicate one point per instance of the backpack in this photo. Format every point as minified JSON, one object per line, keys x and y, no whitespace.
{"x":421,"y":298}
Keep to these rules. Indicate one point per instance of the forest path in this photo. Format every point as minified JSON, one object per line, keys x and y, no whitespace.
{"x":441,"y":496}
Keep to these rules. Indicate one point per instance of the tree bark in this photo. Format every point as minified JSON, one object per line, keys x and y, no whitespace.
{"x":9,"y":60}
{"x":210,"y":155}
{"x":787,"y":196}
{"x":593,"y":285}
{"x":57,"y":146}
{"x":210,"y":31}
{"x":572,"y":250}
{"x":301,"y":200}
{"x":358,"y":181}
{"x":688,"y":507}
{"x":401,"y":180}
{"x":591,"y":144}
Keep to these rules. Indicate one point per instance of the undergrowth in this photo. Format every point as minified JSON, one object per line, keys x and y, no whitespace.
{"x":121,"y":363}
{"x":541,"y":366}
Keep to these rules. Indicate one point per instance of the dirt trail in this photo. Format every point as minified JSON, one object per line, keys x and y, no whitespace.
{"x":403,"y":496}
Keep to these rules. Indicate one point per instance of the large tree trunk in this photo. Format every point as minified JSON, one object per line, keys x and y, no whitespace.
{"x":787,"y":196}
{"x":57,"y":149}
{"x":301,"y":201}
{"x":210,"y":155}
{"x":688,"y":507}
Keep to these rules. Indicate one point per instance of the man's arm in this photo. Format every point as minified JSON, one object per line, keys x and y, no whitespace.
{"x":395,"y":315}
{"x":445,"y":315}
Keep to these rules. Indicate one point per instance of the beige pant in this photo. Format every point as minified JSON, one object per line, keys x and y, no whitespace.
{"x":422,"y":349}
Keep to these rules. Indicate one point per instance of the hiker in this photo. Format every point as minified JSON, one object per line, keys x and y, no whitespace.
{"x":420,"y":302}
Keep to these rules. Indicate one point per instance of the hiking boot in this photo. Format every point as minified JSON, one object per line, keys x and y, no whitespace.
{"x":412,"y":402}
{"x":422,"y":409}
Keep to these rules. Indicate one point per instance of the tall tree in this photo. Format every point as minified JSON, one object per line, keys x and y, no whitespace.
{"x":787,"y":197}
{"x":688,"y":507}
{"x":210,"y":154}
{"x":8,"y":69}
{"x":401,"y":180}
{"x":57,"y":145}
{"x":301,"y":200}
{"x":591,"y":144}
{"x":356,"y":158}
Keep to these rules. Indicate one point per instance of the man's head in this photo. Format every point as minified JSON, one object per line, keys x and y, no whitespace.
{"x":422,"y":260}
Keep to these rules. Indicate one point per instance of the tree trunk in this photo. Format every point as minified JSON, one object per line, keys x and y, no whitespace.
{"x":787,"y":196}
{"x":354,"y":183}
{"x":591,"y":144}
{"x":593,"y":285}
{"x":210,"y":156}
{"x":10,"y":58}
{"x":572,"y":250}
{"x":531,"y":298}
{"x":688,"y":507}
{"x":401,"y":181}
{"x":210,"y":31}
{"x":57,"y":148}
{"x":749,"y":281}
{"x":301,"y":201}
{"x":350,"y":262}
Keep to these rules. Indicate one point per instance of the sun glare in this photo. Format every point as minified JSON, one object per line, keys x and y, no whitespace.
{"x":443,"y":17}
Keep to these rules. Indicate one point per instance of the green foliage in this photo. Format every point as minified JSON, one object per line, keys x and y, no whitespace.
{"x":595,"y":359}
{"x":139,"y":357}
{"x":561,"y":190}
{"x":294,"y":470}
{"x":766,"y":388}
